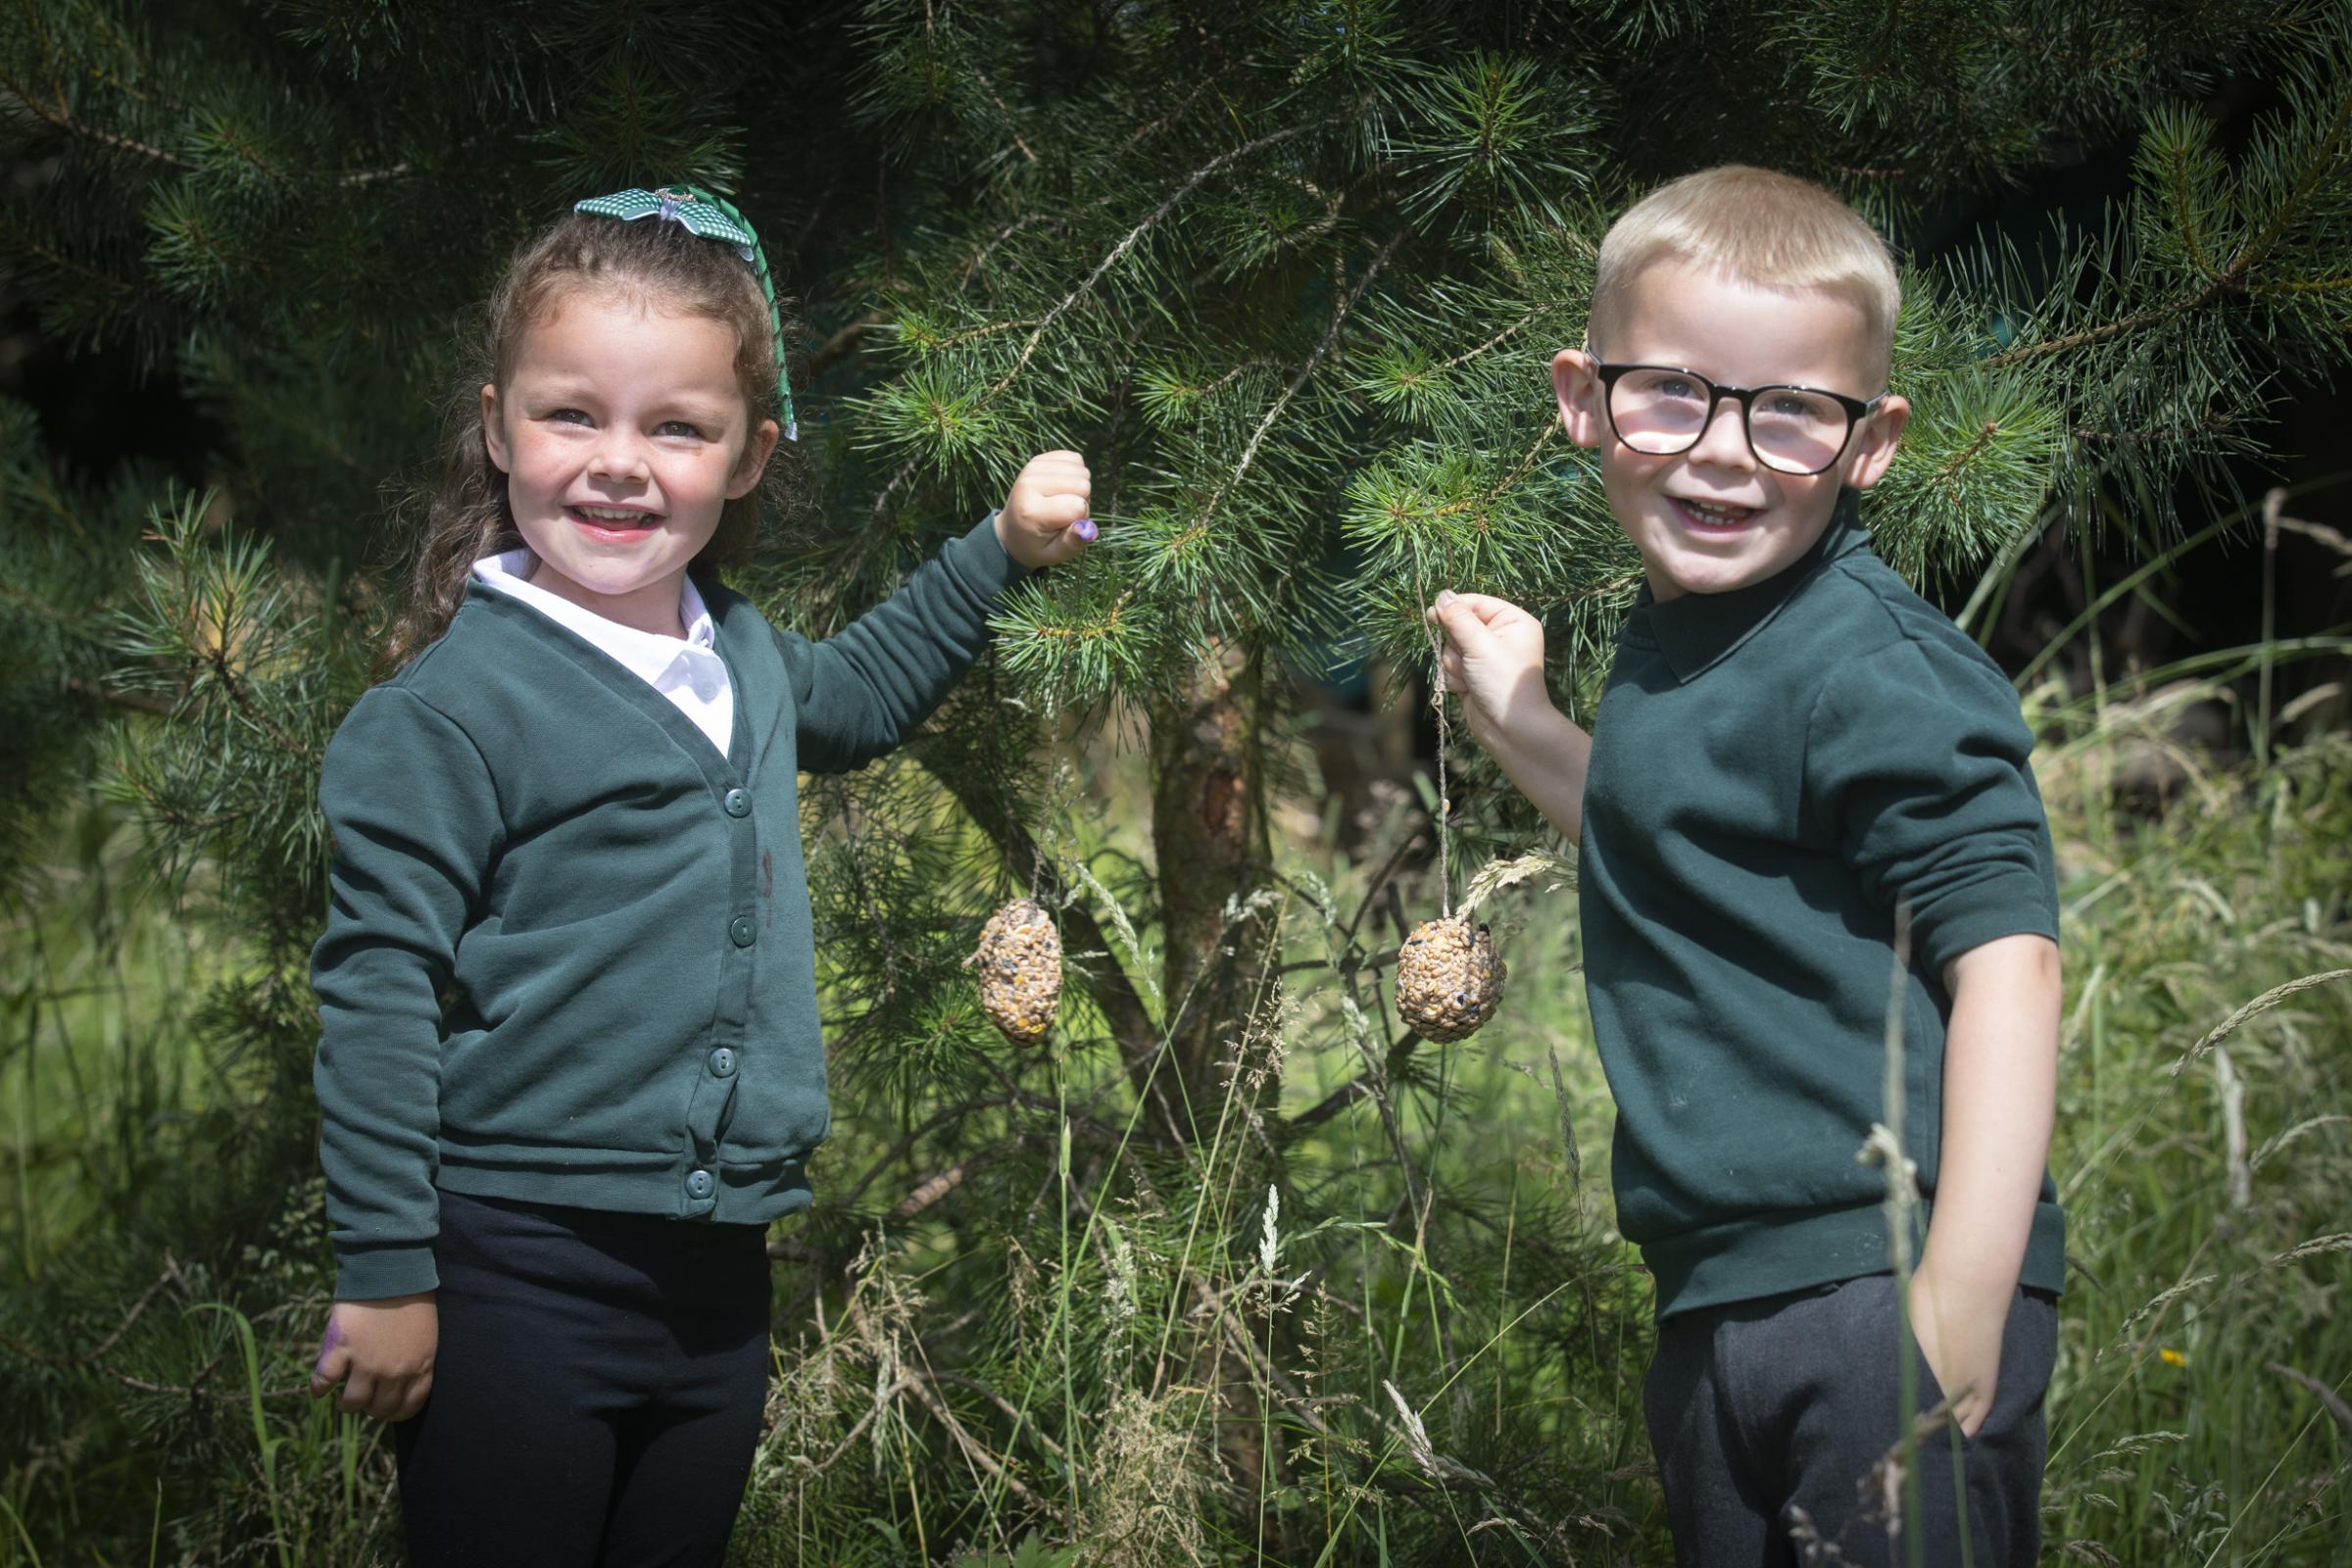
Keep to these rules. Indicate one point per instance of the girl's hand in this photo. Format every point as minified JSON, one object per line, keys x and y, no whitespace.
{"x":1043,"y":521}
{"x":1494,"y":659}
{"x":382,"y":1352}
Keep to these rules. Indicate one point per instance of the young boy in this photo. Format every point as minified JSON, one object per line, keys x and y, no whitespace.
{"x":1789,"y":745}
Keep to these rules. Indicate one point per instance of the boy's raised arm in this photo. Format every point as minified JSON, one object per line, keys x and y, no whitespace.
{"x":1494,"y":657}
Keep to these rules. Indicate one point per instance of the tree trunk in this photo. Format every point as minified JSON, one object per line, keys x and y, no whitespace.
{"x":1212,"y":847}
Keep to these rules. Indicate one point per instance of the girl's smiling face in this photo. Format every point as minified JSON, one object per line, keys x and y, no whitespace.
{"x":623,"y":431}
{"x":1714,"y":518}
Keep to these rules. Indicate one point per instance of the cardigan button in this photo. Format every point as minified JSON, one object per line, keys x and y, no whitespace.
{"x":722,"y":1063}
{"x":697,"y":1184}
{"x":738,"y":803}
{"x":743,"y":930}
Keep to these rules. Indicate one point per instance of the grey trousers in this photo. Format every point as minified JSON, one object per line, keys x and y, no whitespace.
{"x":1768,"y":1416}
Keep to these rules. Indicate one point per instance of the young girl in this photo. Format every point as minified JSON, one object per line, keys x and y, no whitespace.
{"x":570,"y":1066}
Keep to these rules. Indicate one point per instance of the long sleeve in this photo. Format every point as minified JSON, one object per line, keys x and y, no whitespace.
{"x":1916,"y":765}
{"x":863,"y":691}
{"x":415,"y":822}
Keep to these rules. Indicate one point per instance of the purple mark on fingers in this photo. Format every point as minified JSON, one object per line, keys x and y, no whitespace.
{"x":1085,"y":529}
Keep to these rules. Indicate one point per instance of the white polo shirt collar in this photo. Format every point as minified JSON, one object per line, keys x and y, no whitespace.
{"x":687,"y":670}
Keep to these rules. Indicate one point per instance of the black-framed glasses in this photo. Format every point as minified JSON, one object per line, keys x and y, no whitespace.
{"x":1660,"y":410}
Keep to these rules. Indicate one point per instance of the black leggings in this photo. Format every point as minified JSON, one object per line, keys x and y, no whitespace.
{"x":596,"y":1393}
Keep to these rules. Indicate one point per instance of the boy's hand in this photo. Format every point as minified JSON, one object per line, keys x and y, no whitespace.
{"x":1044,"y":522}
{"x":1493,"y":659}
{"x":382,"y":1352}
{"x":1959,"y":1326}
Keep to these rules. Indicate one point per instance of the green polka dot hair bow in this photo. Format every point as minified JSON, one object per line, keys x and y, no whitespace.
{"x":709,"y":216}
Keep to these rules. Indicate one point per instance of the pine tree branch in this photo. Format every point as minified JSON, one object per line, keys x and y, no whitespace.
{"x":914,"y":461}
{"x":932,"y":1189}
{"x":2183,"y":217}
{"x":247,"y":153}
{"x":1103,"y":626}
{"x":2319,"y":167}
{"x":882,"y":1402}
{"x":1527,"y":461}
{"x":959,"y":1381}
{"x":973,"y":1449}
{"x":117,"y":286}
{"x":217,"y":657}
{"x":979,"y":258}
{"x":906,"y":1146}
{"x":1257,"y":437}
{"x":371,"y":176}
{"x":1134,"y":236}
{"x":1630,"y":580}
{"x":2302,"y":285}
{"x":169,"y":1276}
{"x":2230,"y":279}
{"x":985,"y":329}
{"x":1948,"y":474}
{"x":1086,"y":285}
{"x":990,"y":88}
{"x":841,"y":343}
{"x":173,"y":817}
{"x":57,"y":115}
{"x":1500,"y":338}
{"x":2220,"y":283}
{"x":1365,"y":1085}
{"x":94,"y":1357}
{"x":134,"y":700}
{"x":2209,"y":421}
{"x":1150,"y":129}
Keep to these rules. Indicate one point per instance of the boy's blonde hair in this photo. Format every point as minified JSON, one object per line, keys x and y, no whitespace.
{"x":1760,"y":226}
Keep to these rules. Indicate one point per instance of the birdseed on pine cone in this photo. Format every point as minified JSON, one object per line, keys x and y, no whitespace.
{"x":1448,"y":980}
{"x":1020,"y":971}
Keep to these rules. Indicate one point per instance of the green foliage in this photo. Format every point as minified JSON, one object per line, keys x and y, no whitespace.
{"x":909,"y":1330}
{"x":2206,"y":1244}
{"x":1490,"y":134}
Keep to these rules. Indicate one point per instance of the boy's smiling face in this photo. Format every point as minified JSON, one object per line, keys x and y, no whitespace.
{"x":1714,"y":518}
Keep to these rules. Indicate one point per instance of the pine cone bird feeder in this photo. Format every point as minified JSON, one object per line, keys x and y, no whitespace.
{"x":1448,"y":981}
{"x":1020,"y":971}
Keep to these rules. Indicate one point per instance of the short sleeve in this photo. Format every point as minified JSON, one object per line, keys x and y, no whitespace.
{"x":1917,"y":767}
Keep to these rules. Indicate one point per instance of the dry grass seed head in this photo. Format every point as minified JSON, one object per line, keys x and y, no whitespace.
{"x":1145,"y":1487}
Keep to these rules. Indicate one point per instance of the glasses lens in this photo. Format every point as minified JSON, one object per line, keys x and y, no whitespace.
{"x":1795,"y":430}
{"x":1657,"y":411}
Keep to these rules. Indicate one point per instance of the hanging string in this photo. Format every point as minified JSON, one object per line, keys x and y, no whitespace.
{"x":1437,"y":700}
{"x":1061,"y":792}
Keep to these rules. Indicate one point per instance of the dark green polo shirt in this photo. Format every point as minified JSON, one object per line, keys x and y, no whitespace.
{"x":1773,"y":769}
{"x":569,"y":956}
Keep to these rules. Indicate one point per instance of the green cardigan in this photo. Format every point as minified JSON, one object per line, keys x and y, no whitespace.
{"x":1773,"y":769}
{"x":569,"y":956}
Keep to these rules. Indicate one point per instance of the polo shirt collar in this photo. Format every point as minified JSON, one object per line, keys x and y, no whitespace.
{"x":643,"y":653}
{"x":1698,"y":631}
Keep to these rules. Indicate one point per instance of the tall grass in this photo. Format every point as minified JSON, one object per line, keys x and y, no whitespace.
{"x":1375,"y":1315}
